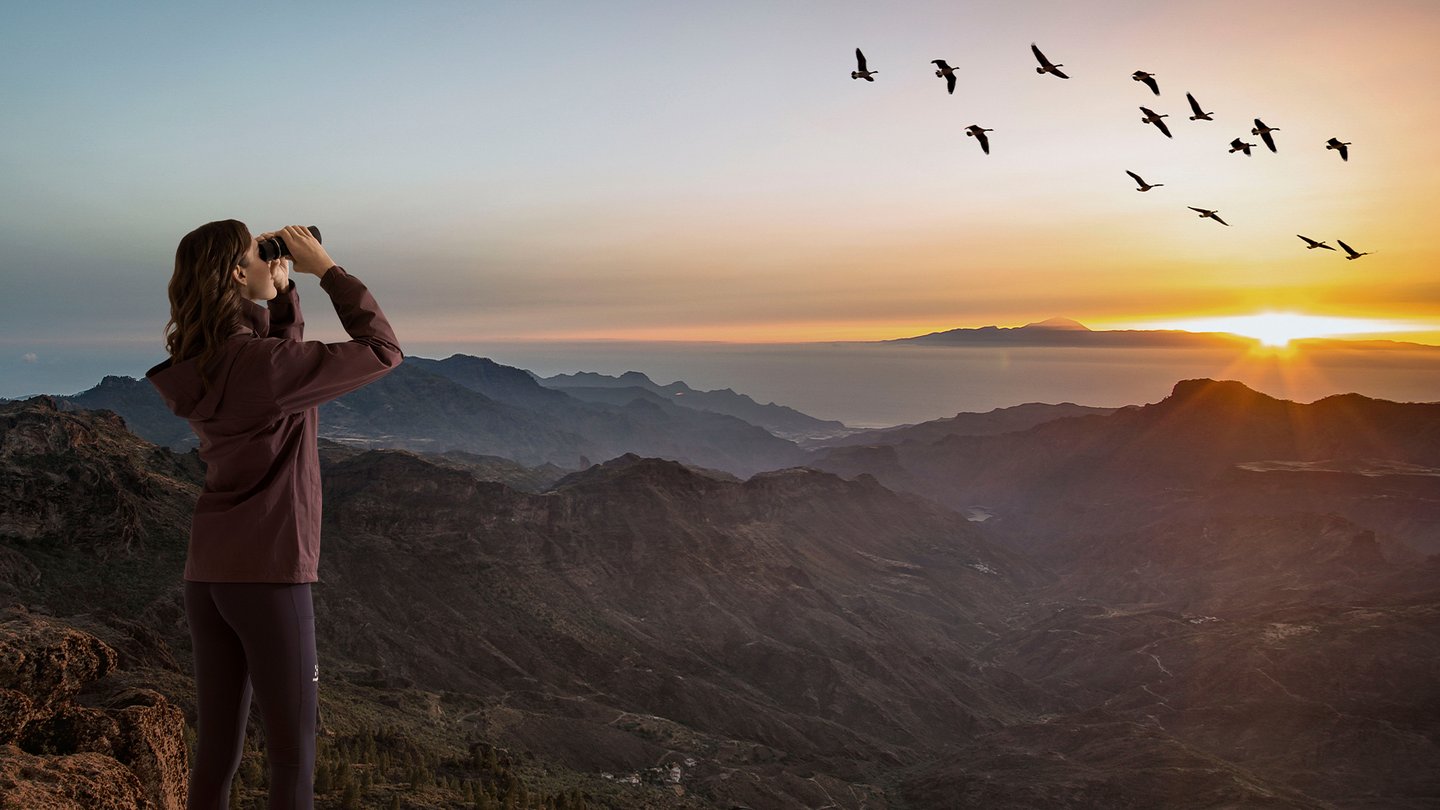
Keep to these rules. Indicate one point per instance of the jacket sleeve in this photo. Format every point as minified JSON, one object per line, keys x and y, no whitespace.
{"x":303,"y":374}
{"x":286,"y":322}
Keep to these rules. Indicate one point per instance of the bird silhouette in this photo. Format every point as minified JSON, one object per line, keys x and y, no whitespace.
{"x":1339,"y":145}
{"x":979,"y":133}
{"x":1238,"y":145}
{"x":1144,"y":186}
{"x":946,"y":71}
{"x":1264,"y":133}
{"x":1045,"y":66}
{"x":1152,"y":117}
{"x":862,"y":73}
{"x":1351,"y":251}
{"x":1215,"y":215}
{"x":1311,"y":244}
{"x":1148,"y":79}
{"x":1200,"y":115}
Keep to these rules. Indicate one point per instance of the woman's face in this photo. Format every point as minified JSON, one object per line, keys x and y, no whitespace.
{"x":254,"y":278}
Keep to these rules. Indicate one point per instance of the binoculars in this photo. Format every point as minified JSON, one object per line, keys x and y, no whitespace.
{"x":275,"y":248}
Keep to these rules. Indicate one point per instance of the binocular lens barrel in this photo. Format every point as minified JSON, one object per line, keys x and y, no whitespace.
{"x":274,"y":247}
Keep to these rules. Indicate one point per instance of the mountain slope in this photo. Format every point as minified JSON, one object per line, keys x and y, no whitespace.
{"x":797,"y":638}
{"x":1000,"y":420}
{"x":1194,"y":452}
{"x":783,"y":421}
{"x":477,"y":406}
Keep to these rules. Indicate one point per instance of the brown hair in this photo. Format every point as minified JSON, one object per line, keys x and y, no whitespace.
{"x":205,"y":306}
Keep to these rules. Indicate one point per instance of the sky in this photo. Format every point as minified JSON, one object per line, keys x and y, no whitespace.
{"x":530,"y":171}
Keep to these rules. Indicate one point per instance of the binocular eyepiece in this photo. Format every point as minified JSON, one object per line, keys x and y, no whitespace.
{"x":275,"y":248}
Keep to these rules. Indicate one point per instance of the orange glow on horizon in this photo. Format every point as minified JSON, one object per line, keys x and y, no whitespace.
{"x":1275,"y":330}
{"x":1278,"y":329}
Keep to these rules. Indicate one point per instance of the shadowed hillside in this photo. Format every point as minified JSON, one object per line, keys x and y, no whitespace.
{"x":796,"y":638}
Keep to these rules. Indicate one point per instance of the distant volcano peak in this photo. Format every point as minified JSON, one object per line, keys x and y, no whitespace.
{"x":1058,"y":323}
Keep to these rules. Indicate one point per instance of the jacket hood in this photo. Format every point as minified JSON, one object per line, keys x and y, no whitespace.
{"x":179,"y":383}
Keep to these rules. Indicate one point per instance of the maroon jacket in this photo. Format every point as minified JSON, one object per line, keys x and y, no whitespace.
{"x":258,"y":516}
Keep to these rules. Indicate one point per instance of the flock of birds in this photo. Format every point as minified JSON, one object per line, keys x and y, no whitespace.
{"x":944,"y":70}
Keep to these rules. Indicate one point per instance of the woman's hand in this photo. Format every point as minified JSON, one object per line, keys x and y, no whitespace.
{"x":310,"y":257}
{"x":279,"y":268}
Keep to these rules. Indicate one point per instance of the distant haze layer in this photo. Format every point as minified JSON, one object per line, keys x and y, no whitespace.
{"x":876,"y":385}
{"x":872,"y":385}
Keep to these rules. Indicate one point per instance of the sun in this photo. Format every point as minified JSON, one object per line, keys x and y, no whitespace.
{"x":1278,"y":329}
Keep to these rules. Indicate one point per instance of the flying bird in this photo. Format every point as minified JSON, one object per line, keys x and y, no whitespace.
{"x":1148,"y":79}
{"x":1337,"y":144}
{"x":979,"y":133}
{"x":1215,"y":215}
{"x":1351,"y":251}
{"x":1045,"y":66}
{"x":1200,"y":115}
{"x":862,"y":73}
{"x":1152,"y":117}
{"x":945,"y":70}
{"x":1238,"y":145}
{"x":1264,"y":133}
{"x":1144,"y":186}
{"x":1311,"y":244}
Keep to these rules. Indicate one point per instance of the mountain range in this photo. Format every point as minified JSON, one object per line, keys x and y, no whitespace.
{"x":781,"y":420}
{"x":1210,"y":447}
{"x":1061,"y":331}
{"x":1219,"y":599}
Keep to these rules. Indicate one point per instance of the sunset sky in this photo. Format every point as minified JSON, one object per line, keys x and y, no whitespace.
{"x":680,"y":171}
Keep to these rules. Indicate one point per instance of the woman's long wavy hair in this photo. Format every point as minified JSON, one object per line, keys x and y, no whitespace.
{"x":205,"y":305}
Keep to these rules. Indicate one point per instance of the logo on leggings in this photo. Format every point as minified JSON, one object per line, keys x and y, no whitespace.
{"x":317,"y":673}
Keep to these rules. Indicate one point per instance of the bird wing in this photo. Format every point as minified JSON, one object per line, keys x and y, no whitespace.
{"x":1149,"y":113}
{"x":1333,"y":142}
{"x":1237,"y":144}
{"x":1269,"y":141}
{"x":1348,"y":249}
{"x":1136,"y":176}
{"x":1217,"y":218}
{"x":1059,"y":72}
{"x":1194,"y":105}
{"x":1040,"y":56}
{"x":1150,"y":80}
{"x":950,"y":82}
{"x":1193,"y":208}
{"x":860,"y":57}
{"x":1309,"y":241}
{"x":984,"y":141}
{"x":1344,"y":152}
{"x":1161,"y":124}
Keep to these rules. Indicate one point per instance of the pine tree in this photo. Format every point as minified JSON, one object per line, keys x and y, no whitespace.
{"x":351,"y":799}
{"x":343,"y":772}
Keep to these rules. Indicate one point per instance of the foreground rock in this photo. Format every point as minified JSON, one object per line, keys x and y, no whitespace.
{"x":72,"y":738}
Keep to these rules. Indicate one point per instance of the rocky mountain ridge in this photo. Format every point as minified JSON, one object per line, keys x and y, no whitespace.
{"x":798,"y":636}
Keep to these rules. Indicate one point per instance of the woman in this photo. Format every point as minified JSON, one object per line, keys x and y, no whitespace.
{"x":250,"y":388}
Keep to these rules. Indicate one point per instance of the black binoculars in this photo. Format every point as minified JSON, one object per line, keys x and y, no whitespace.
{"x":275,"y":248}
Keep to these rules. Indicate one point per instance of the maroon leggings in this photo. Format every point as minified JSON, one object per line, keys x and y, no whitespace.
{"x":260,"y":634}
